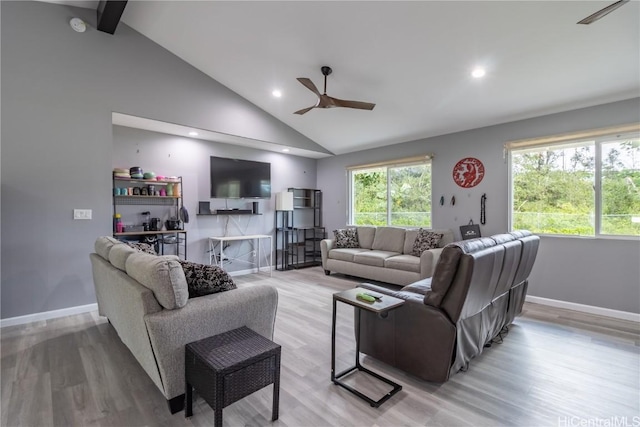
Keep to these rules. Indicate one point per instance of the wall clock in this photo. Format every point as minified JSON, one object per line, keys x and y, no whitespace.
{"x":468,"y":172}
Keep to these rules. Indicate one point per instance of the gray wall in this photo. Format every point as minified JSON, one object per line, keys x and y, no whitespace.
{"x":173,"y":155}
{"x":59,"y":88}
{"x":600,"y":272}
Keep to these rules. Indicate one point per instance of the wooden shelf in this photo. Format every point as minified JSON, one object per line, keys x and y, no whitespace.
{"x":145,"y":181}
{"x":227,"y":214}
{"x":137,"y":196}
{"x":141,"y":233}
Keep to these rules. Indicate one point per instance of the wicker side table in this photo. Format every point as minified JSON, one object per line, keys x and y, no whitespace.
{"x":229,"y":366}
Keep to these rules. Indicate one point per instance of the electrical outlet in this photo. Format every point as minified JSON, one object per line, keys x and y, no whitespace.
{"x":82,"y":213}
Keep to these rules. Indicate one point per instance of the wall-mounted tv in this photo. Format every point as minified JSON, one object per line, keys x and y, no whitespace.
{"x":240,"y":179}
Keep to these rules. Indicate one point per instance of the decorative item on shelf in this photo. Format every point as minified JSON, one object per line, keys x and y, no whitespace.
{"x":204,"y":208}
{"x":173,"y":224}
{"x":117,"y":223}
{"x":121,"y":173}
{"x":176,"y":189}
{"x":163,"y":192}
{"x":155,"y":224}
{"x":149,"y":176}
{"x":169,"y":190}
{"x":136,"y":191}
{"x":151,"y":189}
{"x":284,"y":201}
{"x":136,"y":172}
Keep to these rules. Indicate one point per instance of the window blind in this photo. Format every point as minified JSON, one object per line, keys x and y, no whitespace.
{"x":573,"y":136}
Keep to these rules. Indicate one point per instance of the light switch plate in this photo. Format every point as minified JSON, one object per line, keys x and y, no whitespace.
{"x":82,"y":213}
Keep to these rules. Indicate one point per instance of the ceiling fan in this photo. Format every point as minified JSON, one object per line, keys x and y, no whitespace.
{"x":326,"y":101}
{"x":602,"y":12}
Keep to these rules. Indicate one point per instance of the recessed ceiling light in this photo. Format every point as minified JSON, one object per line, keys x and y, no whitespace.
{"x":478,"y":72}
{"x":192,"y":133}
{"x":285,"y":150}
{"x":277,"y":93}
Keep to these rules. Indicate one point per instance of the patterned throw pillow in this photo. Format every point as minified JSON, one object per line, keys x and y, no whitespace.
{"x":143,"y":247}
{"x":425,"y":240}
{"x":346,"y":238}
{"x":205,"y":279}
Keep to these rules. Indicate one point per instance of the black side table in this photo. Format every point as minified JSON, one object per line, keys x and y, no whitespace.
{"x":382,"y":305}
{"x":229,"y":366}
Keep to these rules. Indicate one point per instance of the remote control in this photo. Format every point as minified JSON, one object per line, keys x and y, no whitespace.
{"x":366,"y":297}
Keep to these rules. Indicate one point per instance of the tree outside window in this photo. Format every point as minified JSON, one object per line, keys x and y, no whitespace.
{"x":584,"y":188}
{"x":392,"y":195}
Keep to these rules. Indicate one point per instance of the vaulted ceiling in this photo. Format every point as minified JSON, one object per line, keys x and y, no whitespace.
{"x":412,"y":59}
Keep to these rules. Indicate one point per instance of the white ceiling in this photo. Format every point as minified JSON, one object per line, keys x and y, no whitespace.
{"x":413,"y":59}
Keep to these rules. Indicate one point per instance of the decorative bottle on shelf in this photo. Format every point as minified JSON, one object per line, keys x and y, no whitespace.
{"x":117,"y":223}
{"x":169,"y":190}
{"x":176,"y":189}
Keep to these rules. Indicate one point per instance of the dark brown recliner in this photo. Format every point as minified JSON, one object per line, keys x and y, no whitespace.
{"x":478,"y":287}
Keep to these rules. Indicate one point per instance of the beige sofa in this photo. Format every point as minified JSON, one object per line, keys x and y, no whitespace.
{"x":384,"y":255}
{"x":146,"y":299}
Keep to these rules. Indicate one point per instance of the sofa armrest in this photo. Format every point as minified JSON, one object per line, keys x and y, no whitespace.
{"x":405,"y":295}
{"x":325,"y":246}
{"x":428,"y":261}
{"x":170,"y":330}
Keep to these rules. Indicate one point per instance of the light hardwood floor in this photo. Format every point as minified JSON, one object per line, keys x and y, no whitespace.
{"x":554,"y":368}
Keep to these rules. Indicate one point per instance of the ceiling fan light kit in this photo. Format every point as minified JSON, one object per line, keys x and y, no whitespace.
{"x":326,"y":101}
{"x":602,"y":12}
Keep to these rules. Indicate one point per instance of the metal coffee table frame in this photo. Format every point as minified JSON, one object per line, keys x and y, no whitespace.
{"x":349,"y":297}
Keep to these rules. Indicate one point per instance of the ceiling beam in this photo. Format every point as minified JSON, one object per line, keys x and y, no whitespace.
{"x":109,"y":13}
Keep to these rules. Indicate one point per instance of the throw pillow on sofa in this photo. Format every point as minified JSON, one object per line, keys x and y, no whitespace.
{"x":346,"y":238}
{"x":143,"y":247}
{"x":205,"y":279}
{"x":425,"y":240}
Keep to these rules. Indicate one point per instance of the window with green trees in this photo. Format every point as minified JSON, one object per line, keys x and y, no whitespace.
{"x":585,"y":188}
{"x":398,"y":194}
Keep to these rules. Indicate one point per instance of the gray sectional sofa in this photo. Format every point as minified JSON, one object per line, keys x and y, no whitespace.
{"x":384,"y":254}
{"x":146,"y":299}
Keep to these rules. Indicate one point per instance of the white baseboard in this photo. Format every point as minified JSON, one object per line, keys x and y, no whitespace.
{"x":46,"y":315}
{"x":591,"y":309}
{"x":250,"y":271}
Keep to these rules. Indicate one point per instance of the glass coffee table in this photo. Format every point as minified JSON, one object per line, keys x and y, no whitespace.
{"x":381,"y":305}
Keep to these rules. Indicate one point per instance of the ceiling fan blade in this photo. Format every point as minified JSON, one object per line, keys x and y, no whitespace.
{"x":353,"y":104}
{"x":309,"y":85}
{"x":304,"y":110}
{"x":602,"y":12}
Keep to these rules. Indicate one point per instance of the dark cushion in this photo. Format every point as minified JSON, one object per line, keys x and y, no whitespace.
{"x":346,"y":238}
{"x":143,"y":247}
{"x":443,"y":275}
{"x":425,"y":240}
{"x":205,"y":279}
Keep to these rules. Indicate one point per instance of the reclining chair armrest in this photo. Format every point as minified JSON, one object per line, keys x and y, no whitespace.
{"x":407,"y":296}
{"x":428,"y":261}
{"x":170,"y":330}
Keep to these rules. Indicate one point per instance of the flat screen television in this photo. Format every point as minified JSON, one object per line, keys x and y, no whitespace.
{"x":240,"y":179}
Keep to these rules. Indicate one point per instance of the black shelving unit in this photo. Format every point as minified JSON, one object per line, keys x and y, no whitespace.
{"x":299,"y":232}
{"x":174,"y":203}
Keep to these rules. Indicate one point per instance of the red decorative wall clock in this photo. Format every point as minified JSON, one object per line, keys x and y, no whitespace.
{"x":468,"y":172}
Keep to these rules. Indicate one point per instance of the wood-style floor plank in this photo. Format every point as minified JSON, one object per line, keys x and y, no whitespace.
{"x":553,"y":365}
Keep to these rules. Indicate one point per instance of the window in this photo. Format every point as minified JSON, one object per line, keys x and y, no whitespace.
{"x":586,"y":186}
{"x":397,"y":193}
